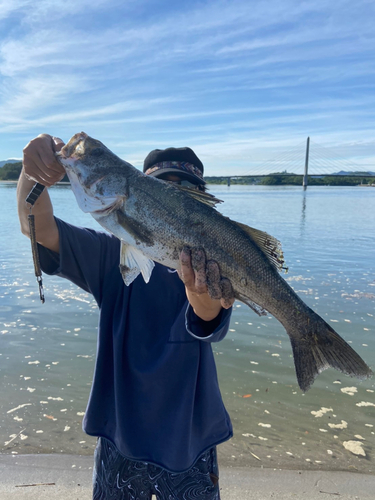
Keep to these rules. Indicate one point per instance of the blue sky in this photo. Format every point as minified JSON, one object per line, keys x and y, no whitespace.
{"x":239,"y":81}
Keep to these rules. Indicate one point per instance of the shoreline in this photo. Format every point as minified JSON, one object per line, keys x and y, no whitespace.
{"x":225,"y":461}
{"x":231,"y":455}
{"x":58,"y":477}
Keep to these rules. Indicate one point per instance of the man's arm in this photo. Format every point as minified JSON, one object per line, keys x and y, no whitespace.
{"x":40,"y":165}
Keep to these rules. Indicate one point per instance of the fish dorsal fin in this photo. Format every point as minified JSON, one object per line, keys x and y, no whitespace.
{"x":270,"y":245}
{"x":133,"y":262}
{"x":202,"y":196}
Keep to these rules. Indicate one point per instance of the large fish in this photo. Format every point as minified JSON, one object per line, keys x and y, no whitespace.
{"x":155,"y":219}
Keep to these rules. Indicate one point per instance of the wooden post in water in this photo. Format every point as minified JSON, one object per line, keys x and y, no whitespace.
{"x":228,"y":181}
{"x":304,"y":182}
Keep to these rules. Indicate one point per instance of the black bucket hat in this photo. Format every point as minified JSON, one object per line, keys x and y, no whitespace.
{"x":179,"y":161}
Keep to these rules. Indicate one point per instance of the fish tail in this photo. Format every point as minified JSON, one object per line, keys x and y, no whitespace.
{"x":320,"y":348}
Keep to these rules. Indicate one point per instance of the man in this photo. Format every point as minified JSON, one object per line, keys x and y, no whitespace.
{"x":155,"y":404}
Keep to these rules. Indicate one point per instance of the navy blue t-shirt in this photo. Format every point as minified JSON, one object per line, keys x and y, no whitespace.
{"x":155,"y":392}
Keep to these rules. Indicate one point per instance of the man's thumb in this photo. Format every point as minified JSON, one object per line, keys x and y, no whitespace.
{"x":58,"y":143}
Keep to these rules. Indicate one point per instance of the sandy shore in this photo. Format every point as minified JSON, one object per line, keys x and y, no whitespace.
{"x":58,"y":477}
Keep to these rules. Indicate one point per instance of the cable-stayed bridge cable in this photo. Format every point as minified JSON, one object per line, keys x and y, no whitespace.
{"x":322,"y":161}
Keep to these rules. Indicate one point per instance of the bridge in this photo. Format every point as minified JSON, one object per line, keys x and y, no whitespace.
{"x":307,"y":159}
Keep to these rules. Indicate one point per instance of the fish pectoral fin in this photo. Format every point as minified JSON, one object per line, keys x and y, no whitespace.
{"x":128,"y":275}
{"x":268,"y":244}
{"x":202,"y":196}
{"x":255,"y":307}
{"x":133,"y":262}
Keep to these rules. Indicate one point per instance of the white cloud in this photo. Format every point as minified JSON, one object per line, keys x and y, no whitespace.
{"x":46,"y":11}
{"x":8,"y":7}
{"x":34,"y":95}
{"x":215,"y":74}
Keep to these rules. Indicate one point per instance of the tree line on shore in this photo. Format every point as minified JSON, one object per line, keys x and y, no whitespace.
{"x":11,"y":172}
{"x":281,"y":179}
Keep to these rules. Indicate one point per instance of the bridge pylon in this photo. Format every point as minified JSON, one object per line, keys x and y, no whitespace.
{"x":304,"y":181}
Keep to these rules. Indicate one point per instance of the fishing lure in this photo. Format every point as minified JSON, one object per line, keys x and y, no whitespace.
{"x":31,"y":199}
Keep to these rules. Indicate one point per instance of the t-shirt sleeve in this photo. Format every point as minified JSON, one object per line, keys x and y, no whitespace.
{"x":85,"y":257}
{"x":208,"y":331}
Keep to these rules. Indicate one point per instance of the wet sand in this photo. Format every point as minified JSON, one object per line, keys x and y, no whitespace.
{"x":58,"y":477}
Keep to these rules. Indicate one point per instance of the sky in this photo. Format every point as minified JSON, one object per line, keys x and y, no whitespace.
{"x":241,"y":82}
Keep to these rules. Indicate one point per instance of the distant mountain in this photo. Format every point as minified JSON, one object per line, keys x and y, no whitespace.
{"x":342,"y":172}
{"x":11,"y":160}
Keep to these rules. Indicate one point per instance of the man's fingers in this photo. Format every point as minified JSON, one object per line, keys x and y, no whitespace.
{"x":213,"y":279}
{"x":39,"y":160}
{"x":198,"y":259}
{"x":198,"y":262}
{"x":186,"y":272}
{"x":203,"y":277}
{"x":34,"y":173}
{"x":46,"y":153}
{"x":218,"y":287}
{"x":227,"y":293}
{"x":37,"y":174}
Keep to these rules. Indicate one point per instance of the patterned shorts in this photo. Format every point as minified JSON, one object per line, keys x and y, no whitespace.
{"x":118,"y":478}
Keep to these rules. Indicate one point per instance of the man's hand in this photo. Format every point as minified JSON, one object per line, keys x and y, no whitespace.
{"x":40,"y":165}
{"x":206,"y":290}
{"x":39,"y":162}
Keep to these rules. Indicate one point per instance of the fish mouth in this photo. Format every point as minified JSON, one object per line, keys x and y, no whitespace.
{"x":71,"y":151}
{"x":75,"y":145}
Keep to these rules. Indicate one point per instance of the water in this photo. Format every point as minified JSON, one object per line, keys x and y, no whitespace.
{"x":47,"y":352}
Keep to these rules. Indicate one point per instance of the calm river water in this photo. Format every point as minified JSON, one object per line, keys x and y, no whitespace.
{"x":47,"y":352}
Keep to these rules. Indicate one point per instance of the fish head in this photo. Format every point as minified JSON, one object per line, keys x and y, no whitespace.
{"x":98,"y":177}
